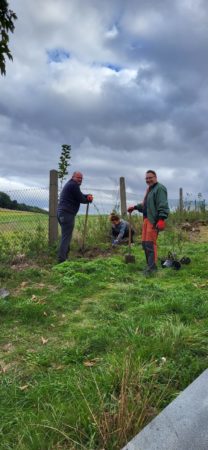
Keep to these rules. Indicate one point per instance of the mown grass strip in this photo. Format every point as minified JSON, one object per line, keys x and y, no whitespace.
{"x":91,"y":350}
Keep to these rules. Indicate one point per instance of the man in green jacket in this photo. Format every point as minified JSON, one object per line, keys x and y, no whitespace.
{"x":155,"y":210}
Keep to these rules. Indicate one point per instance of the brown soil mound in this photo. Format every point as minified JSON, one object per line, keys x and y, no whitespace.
{"x":95,"y":252}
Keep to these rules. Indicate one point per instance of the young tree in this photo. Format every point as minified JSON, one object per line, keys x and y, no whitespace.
{"x":7,"y":18}
{"x":64,"y":162}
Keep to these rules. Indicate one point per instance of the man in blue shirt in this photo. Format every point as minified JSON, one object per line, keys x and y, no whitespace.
{"x":68,"y":207}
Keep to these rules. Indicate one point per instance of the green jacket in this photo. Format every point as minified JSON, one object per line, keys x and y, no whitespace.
{"x":157,"y":203}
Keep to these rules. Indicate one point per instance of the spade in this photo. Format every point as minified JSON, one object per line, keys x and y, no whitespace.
{"x":129,"y":258}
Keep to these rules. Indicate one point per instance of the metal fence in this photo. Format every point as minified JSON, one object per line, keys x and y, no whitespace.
{"x":25,"y":210}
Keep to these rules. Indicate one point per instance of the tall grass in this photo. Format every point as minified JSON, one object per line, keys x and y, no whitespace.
{"x":27,"y":233}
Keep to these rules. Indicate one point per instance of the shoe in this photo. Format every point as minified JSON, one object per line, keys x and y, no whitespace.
{"x":150,"y":271}
{"x":60,"y":261}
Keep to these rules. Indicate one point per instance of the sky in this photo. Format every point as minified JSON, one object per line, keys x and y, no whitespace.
{"x":124,"y":82}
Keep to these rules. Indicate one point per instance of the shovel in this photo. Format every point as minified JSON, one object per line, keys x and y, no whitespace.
{"x":130,"y":258}
{"x":82,"y":249}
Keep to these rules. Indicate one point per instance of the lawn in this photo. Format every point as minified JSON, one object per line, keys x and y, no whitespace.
{"x":91,"y":350}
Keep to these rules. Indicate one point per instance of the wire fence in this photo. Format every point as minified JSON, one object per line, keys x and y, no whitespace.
{"x":25,"y":211}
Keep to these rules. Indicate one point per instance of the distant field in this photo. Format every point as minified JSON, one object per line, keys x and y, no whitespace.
{"x":21,"y":220}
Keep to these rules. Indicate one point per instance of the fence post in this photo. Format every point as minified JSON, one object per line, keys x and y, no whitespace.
{"x":53,"y":202}
{"x":181,"y":200}
{"x":123,"y":196}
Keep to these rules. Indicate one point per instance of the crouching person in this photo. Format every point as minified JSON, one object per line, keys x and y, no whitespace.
{"x":120,"y":230}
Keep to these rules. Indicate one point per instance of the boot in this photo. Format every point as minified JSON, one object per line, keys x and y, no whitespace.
{"x":150,"y":257}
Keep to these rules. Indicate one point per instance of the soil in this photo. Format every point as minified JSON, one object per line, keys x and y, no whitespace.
{"x":94,"y":252}
{"x":199,"y":236}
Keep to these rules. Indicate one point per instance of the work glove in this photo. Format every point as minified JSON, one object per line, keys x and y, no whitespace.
{"x":160,"y":225}
{"x":115,"y":242}
{"x":90,"y":198}
{"x":130,"y":209}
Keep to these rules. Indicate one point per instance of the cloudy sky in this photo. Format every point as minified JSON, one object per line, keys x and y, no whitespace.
{"x":125,"y":82}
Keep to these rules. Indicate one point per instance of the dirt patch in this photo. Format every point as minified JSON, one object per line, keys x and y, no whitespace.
{"x":95,"y":252}
{"x":24,"y":265}
{"x":201,"y":236}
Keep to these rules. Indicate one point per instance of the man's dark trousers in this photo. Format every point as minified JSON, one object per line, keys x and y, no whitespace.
{"x":66,"y":221}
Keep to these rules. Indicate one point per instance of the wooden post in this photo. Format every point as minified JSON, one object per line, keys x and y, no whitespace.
{"x":204,"y":205}
{"x":53,"y":202}
{"x":123,"y":196}
{"x":181,"y":200}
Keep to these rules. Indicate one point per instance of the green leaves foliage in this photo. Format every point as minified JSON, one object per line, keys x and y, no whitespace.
{"x":64,"y":162}
{"x":7,"y":18}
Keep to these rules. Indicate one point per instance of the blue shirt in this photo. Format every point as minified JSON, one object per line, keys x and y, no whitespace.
{"x":120,"y":229}
{"x":71,"y":197}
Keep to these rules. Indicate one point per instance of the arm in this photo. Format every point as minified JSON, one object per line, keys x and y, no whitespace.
{"x":138,"y":207}
{"x":162,"y":203}
{"x":161,"y":200}
{"x":121,"y":231}
{"x":79,"y":196}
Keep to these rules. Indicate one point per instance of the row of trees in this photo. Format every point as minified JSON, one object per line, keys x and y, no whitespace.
{"x":7,"y":203}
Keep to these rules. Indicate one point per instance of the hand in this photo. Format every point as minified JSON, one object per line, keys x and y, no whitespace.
{"x":90,"y":198}
{"x":130,"y":209}
{"x":160,"y":225}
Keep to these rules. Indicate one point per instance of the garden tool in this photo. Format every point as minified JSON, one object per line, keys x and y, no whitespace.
{"x":185,"y":260}
{"x":85,"y":229}
{"x":129,"y":258}
{"x":171,"y":261}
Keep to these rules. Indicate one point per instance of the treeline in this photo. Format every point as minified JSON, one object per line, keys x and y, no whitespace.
{"x":7,"y":203}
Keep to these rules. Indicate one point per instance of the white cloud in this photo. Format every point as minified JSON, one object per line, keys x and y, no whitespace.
{"x":112,"y":33}
{"x":130,"y":93}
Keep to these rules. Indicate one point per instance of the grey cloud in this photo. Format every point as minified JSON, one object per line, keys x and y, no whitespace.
{"x":157,"y":119}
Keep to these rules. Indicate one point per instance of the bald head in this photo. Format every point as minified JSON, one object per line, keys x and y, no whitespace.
{"x":77,"y":176}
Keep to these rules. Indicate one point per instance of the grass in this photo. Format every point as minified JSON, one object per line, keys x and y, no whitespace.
{"x":21,"y":220}
{"x":91,"y":350}
{"x":26,"y":233}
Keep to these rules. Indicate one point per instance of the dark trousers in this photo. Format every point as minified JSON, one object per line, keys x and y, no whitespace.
{"x":149,"y":242}
{"x":66,"y":221}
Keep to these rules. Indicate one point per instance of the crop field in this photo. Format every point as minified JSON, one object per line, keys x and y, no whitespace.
{"x":91,"y":350}
{"x":21,"y":220}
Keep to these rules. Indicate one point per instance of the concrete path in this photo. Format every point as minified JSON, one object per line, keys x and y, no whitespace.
{"x":182,"y":425}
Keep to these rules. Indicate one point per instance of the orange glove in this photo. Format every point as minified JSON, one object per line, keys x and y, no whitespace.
{"x":130,"y":209}
{"x":160,"y":225}
{"x":90,"y":198}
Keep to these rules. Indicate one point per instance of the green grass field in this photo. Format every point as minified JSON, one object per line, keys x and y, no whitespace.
{"x":25,"y":233}
{"x":21,"y":221}
{"x":91,"y":350}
